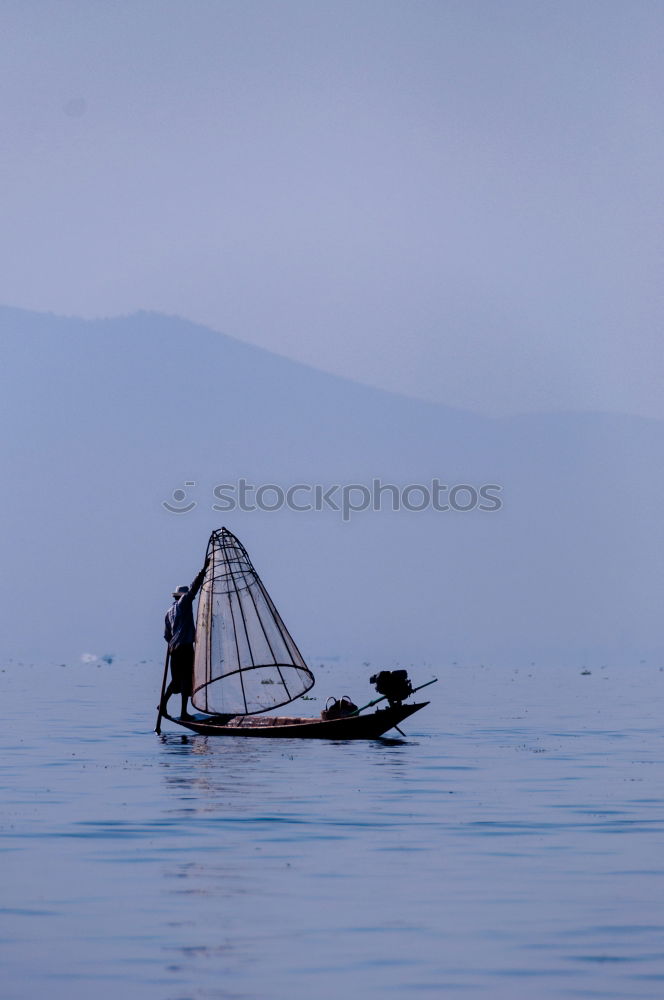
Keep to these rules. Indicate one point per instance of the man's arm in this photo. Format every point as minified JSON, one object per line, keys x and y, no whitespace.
{"x":168,"y":631}
{"x":197,"y":583}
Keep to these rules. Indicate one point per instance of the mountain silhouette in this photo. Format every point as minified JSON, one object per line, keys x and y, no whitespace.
{"x":107,"y":421}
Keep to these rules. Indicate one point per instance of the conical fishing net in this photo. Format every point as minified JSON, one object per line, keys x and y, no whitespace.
{"x":245,"y":660}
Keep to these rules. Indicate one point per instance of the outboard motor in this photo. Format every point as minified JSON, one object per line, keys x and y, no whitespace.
{"x":393,"y":685}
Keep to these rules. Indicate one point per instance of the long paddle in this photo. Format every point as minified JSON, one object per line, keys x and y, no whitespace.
{"x":157,"y":728}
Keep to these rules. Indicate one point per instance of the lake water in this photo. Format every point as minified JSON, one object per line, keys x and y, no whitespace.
{"x":509,"y":847}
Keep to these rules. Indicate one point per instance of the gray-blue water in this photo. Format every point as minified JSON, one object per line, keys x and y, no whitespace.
{"x":510,"y":847}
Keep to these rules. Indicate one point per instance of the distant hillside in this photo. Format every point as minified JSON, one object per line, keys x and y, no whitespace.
{"x":104,"y":420}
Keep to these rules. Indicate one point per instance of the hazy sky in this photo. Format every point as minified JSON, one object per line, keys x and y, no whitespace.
{"x":458,"y":200}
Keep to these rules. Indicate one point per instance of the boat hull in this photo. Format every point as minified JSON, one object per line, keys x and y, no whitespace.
{"x":354,"y":727}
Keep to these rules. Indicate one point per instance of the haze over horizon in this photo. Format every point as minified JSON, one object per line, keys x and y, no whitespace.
{"x":460,"y":202}
{"x":568,"y":570}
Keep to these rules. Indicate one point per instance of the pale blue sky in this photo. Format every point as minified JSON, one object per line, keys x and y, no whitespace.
{"x":457,"y":200}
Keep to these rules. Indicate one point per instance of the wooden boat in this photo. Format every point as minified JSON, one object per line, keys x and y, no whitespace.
{"x":246,"y":663}
{"x":352,"y":727}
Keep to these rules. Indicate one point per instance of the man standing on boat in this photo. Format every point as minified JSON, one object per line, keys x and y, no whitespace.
{"x":180,"y":633}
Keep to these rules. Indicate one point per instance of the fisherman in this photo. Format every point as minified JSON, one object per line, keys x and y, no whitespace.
{"x":180,"y":633}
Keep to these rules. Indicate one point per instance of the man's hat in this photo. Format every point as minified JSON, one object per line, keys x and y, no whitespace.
{"x":177,"y":594}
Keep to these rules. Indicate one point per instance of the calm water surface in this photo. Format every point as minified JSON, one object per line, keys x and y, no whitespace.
{"x":510,"y":847}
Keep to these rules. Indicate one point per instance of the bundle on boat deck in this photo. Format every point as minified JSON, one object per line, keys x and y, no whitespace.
{"x":256,"y":721}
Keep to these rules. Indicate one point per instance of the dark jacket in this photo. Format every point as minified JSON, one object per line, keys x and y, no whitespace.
{"x":179,"y":628}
